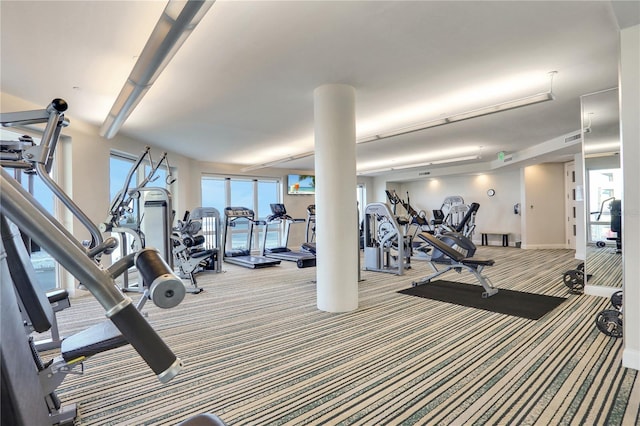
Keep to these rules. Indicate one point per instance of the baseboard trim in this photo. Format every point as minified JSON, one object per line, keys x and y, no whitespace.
{"x":600,"y":290}
{"x":631,"y":358}
{"x":543,"y":246}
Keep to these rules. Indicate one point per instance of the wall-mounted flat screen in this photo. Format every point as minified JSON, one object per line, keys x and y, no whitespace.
{"x":301,"y":184}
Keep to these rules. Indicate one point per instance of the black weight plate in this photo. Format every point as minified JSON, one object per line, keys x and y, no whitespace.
{"x":610,"y":322}
{"x":574,"y":280}
{"x":616,"y":300}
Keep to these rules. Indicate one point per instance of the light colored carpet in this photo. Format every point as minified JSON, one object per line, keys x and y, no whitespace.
{"x":258,"y":352}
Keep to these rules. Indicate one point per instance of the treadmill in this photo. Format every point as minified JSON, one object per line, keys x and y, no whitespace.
{"x":279,"y":215}
{"x":236,"y":216}
{"x":309,"y":245}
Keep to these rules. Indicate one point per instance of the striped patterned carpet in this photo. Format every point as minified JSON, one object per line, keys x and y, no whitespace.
{"x":605,"y":266}
{"x":258,"y":352}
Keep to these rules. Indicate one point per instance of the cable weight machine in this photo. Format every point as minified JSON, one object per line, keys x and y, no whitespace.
{"x":386,"y":247}
{"x":143,"y":213}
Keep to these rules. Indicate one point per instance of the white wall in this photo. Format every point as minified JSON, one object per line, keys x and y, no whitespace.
{"x":495,"y":213}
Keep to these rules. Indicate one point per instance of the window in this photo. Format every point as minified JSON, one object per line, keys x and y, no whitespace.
{"x":604,"y":186}
{"x":159,"y":178}
{"x":213,"y":194}
{"x":44,"y":265}
{"x":254,"y":194}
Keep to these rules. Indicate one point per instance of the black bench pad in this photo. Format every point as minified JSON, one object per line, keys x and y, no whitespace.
{"x":478,"y":262}
{"x":95,"y":339}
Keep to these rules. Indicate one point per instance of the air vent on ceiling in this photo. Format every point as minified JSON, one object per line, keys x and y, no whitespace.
{"x":572,"y":138}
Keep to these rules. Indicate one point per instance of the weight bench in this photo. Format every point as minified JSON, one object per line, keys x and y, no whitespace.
{"x":455,"y":260}
{"x":485,"y":238}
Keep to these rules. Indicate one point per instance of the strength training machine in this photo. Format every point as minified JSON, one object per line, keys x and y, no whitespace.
{"x":25,"y":158}
{"x":192,"y":252}
{"x":615,"y":209}
{"x":142,"y":216}
{"x":455,"y":252}
{"x":386,"y":247}
{"x":28,"y":385}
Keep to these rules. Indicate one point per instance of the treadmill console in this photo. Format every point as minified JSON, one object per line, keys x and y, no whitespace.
{"x":238,"y":212}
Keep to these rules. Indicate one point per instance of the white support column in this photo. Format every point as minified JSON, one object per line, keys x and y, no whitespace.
{"x":335,"y":168}
{"x":630,"y":132}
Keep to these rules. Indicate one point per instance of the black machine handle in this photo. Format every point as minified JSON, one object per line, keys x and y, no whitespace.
{"x":147,"y":343}
{"x":19,"y":207}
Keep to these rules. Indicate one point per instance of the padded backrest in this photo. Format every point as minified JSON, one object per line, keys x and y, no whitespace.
{"x":23,"y":275}
{"x":473,"y":208}
{"x":440,"y":245}
{"x":616,"y":216}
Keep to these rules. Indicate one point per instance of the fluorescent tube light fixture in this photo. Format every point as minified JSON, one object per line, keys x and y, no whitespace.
{"x":492,"y":109}
{"x":276,"y":162}
{"x":176,"y":23}
{"x":415,"y":165}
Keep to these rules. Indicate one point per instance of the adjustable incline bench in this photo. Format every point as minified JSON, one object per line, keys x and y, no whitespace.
{"x":444,"y":254}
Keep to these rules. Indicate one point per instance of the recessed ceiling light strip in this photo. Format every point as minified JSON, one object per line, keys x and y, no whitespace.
{"x":176,"y":23}
{"x":492,"y":109}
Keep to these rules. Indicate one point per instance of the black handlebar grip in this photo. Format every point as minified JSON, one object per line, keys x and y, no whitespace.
{"x":186,"y":216}
{"x":147,"y":343}
{"x":59,"y":105}
{"x":166,"y":290}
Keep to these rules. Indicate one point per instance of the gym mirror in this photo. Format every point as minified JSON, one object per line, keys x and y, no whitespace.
{"x":603,"y":187}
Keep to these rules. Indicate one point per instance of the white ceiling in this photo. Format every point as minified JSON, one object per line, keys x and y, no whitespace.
{"x":240,"y":90}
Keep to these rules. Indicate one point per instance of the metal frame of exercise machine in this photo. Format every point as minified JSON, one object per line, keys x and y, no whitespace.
{"x":132,"y":205}
{"x":191,"y":251}
{"x":310,"y":230}
{"x":243,"y":257}
{"x":21,"y":209}
{"x":24,"y":378}
{"x":24,"y":157}
{"x":279,"y":215}
{"x":456,"y":252}
{"x":386,"y":247}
